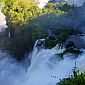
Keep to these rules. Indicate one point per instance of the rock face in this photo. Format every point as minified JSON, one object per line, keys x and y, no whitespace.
{"x":2,"y":21}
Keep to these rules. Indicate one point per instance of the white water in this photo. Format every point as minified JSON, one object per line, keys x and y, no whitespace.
{"x":46,"y":68}
{"x":10,"y":70}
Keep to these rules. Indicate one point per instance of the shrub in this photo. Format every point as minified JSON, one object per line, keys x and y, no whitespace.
{"x":78,"y":80}
{"x":71,"y":50}
{"x":50,"y":42}
{"x":70,"y":44}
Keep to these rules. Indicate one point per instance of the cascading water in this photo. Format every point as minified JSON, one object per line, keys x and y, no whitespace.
{"x":10,"y":70}
{"x":46,"y":67}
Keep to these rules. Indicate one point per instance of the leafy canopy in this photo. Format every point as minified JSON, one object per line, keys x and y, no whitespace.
{"x":21,"y":11}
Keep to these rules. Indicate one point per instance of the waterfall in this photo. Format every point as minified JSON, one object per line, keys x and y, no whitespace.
{"x":10,"y":70}
{"x":35,"y":50}
{"x":47,"y":67}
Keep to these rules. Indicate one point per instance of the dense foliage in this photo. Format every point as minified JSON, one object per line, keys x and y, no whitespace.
{"x":27,"y":22}
{"x":60,"y":36}
{"x":71,"y":50}
{"x":20,"y":16}
{"x":21,"y":11}
{"x":2,"y":1}
{"x":77,"y":80}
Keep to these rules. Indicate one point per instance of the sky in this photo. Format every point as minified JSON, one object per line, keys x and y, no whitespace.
{"x":76,"y":2}
{"x":42,"y":3}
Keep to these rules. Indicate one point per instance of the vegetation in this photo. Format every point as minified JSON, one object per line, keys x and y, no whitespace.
{"x":66,"y":7}
{"x":75,"y":79}
{"x":66,"y":30}
{"x":50,"y":42}
{"x":21,"y":11}
{"x":79,"y":79}
{"x":63,"y":33}
{"x":53,"y":8}
{"x":20,"y":16}
{"x":71,"y":50}
{"x":2,"y":1}
{"x":70,"y":44}
{"x":60,"y":37}
{"x":27,"y":22}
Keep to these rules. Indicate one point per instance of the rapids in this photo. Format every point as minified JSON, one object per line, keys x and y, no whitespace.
{"x":46,"y":67}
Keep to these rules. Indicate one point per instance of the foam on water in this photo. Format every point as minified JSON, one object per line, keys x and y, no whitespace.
{"x":10,"y":70}
{"x":46,"y":68}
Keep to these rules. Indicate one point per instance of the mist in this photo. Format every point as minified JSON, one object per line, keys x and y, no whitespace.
{"x":46,"y":66}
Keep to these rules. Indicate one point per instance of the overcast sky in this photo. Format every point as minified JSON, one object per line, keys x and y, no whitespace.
{"x":42,"y":3}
